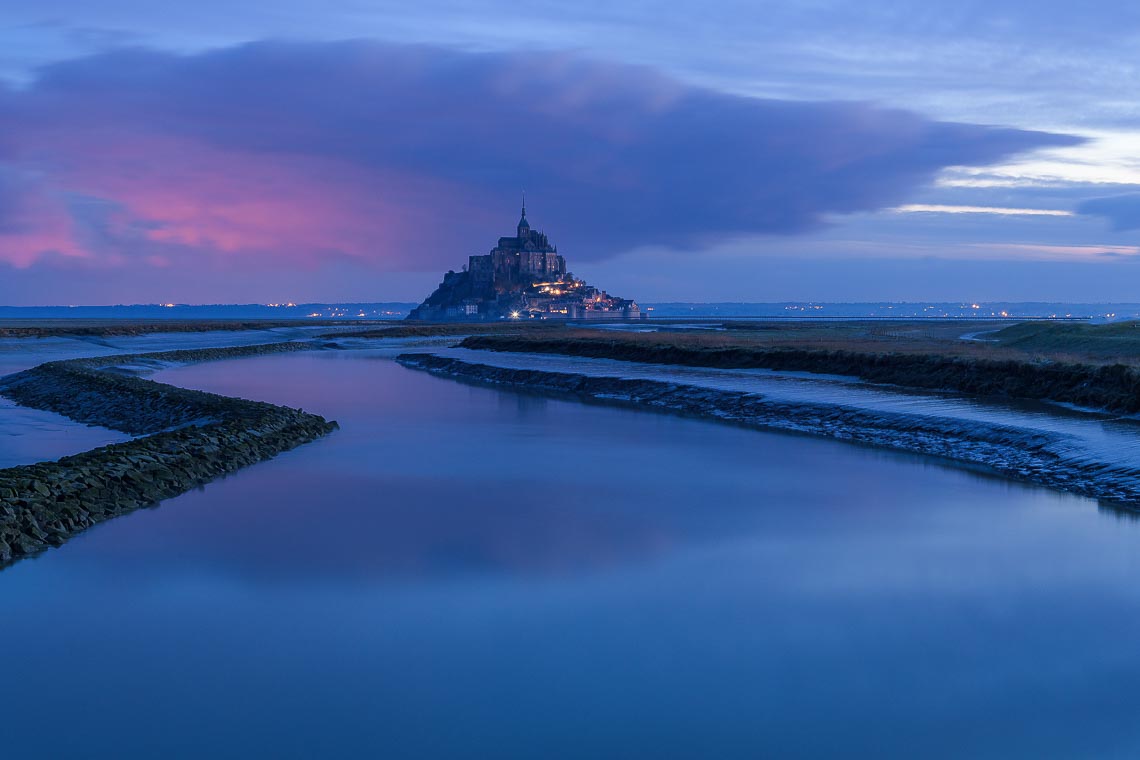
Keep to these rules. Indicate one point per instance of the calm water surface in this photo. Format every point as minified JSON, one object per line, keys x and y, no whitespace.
{"x":464,"y":572}
{"x":31,"y":435}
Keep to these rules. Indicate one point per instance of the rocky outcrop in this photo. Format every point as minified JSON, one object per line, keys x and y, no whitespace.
{"x":1010,"y":451}
{"x":190,"y":438}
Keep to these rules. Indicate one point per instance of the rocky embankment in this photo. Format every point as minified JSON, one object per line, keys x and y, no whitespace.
{"x":1010,"y":451}
{"x":1114,"y":388}
{"x":191,"y":438}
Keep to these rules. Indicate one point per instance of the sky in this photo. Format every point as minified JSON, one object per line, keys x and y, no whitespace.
{"x":727,"y":150}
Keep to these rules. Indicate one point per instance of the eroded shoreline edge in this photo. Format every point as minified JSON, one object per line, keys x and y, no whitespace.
{"x":189,"y":439}
{"x":1008,"y":451}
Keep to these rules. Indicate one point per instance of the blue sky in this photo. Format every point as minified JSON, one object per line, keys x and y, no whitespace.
{"x":714,"y":151}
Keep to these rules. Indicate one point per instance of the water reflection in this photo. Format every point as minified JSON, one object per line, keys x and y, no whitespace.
{"x":462,"y":572}
{"x":1086,"y":437}
{"x":31,"y":435}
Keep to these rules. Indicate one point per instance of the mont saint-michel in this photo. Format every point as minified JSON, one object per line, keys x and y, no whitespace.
{"x":523,"y":277}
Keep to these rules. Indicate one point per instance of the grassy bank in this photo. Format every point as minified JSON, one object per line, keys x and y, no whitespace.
{"x":1117,"y":341}
{"x":1113,"y":387}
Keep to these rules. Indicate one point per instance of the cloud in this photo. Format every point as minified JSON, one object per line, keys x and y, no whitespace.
{"x":410,"y":158}
{"x":1121,"y":211}
{"x":932,"y":208}
{"x":33,"y":222}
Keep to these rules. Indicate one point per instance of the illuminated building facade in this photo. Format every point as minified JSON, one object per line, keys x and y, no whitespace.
{"x":523,"y":277}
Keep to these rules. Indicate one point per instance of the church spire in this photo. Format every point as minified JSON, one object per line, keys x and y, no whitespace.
{"x":524,"y":225}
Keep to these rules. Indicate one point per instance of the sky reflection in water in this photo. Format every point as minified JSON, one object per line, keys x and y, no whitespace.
{"x":461,"y":572}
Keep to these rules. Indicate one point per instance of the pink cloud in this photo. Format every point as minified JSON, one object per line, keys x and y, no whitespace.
{"x":33,"y":221}
{"x":175,"y":192}
{"x":299,"y":157}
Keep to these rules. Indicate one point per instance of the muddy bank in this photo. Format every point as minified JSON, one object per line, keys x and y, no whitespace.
{"x":1114,"y":388}
{"x":1010,"y":451}
{"x":191,"y":438}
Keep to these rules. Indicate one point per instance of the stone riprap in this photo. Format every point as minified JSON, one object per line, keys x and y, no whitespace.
{"x":190,"y":438}
{"x":1010,"y":451}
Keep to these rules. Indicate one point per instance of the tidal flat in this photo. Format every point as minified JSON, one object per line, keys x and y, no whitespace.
{"x":469,"y":570}
{"x":463,"y":571}
{"x":668,"y":366}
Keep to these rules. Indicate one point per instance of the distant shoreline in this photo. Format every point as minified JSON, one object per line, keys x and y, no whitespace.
{"x":51,"y":328}
{"x":396,"y":310}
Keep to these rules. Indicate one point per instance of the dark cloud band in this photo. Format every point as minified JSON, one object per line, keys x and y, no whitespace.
{"x":1121,"y":211}
{"x":402,"y":152}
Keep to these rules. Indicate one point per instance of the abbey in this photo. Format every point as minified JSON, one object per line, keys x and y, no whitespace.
{"x":517,"y":260}
{"x":523,"y":277}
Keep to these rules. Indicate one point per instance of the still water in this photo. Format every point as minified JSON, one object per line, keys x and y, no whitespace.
{"x":465,"y":572}
{"x":30,"y":435}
